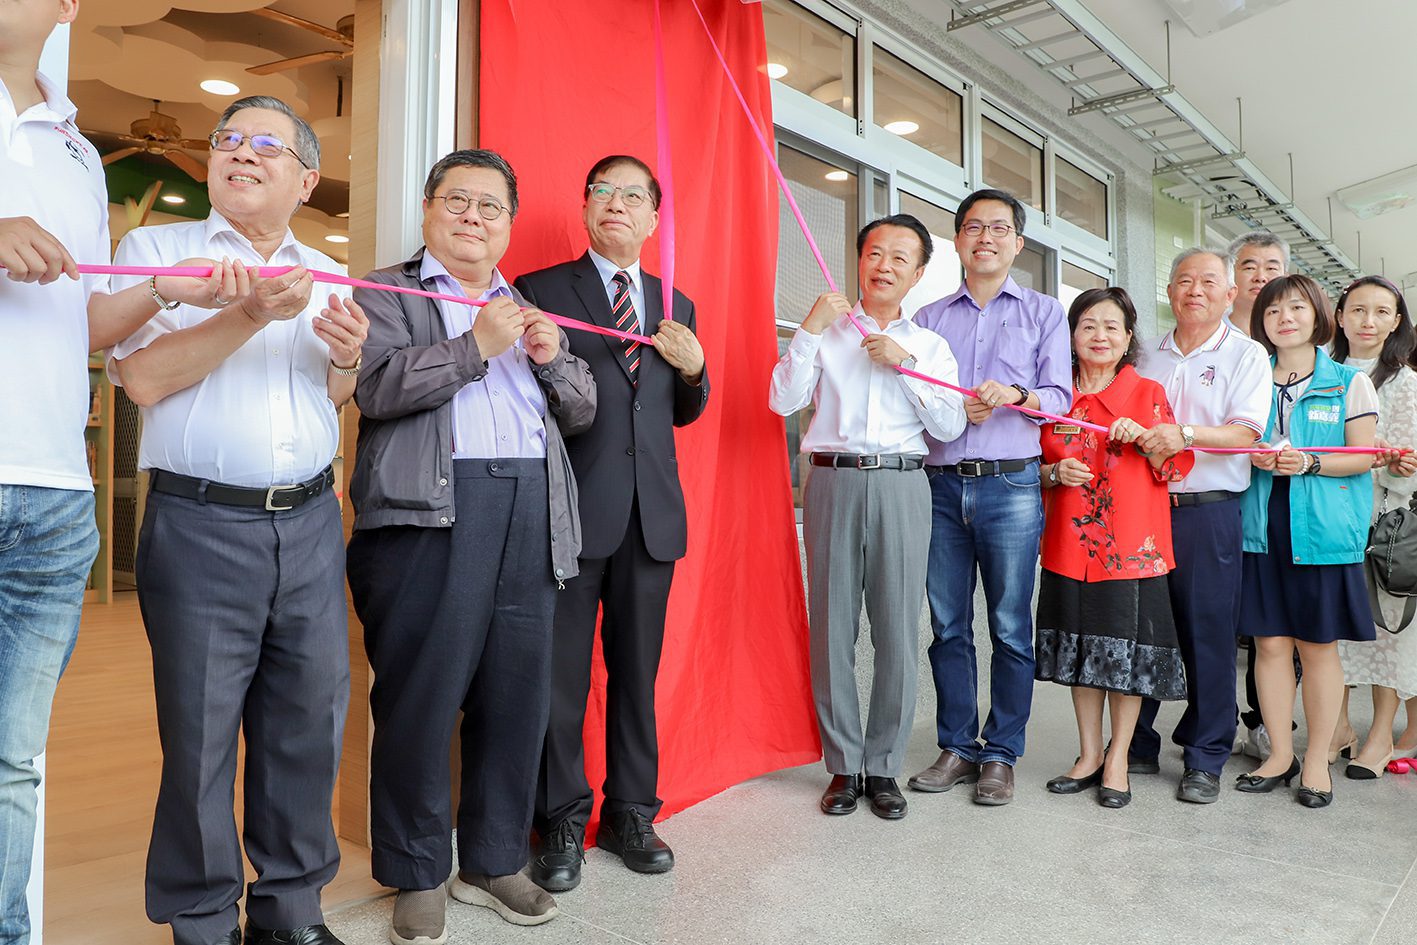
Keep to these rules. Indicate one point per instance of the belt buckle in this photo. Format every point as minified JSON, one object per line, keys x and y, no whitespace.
{"x":870,"y":461}
{"x":970,"y":468}
{"x":271,"y":498}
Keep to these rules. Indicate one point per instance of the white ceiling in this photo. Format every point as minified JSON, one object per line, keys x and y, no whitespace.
{"x":1332,"y":83}
{"x":125,"y":53}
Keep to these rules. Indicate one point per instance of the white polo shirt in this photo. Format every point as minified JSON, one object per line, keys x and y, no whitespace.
{"x":1227,"y":379}
{"x":48,"y":172}
{"x":264,"y":416}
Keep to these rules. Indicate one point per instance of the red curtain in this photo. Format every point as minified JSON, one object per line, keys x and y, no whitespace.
{"x":563,"y":83}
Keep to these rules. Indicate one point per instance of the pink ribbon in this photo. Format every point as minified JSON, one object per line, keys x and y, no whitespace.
{"x":831,"y":283}
{"x":333,"y":278}
{"x":666,"y":170}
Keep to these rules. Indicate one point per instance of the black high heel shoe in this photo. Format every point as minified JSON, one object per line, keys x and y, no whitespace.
{"x":1254,"y":784}
{"x":1313,"y":797}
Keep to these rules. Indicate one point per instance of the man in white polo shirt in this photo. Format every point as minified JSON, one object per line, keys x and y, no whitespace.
{"x":53,"y":210}
{"x":1218,"y":383}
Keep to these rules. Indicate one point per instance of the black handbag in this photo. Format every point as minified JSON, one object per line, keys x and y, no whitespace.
{"x":1391,"y":560}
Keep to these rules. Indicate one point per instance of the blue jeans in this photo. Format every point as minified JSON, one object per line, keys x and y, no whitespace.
{"x":48,"y":541}
{"x":993,"y":523}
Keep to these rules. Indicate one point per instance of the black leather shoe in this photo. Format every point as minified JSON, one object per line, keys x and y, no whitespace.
{"x":1113,"y":798}
{"x":630,"y":836}
{"x":1254,"y":784}
{"x":305,"y":935}
{"x":230,"y":938}
{"x":1066,"y":785}
{"x":1198,"y":787}
{"x":886,"y":799}
{"x":1312,"y":797}
{"x":556,"y":867}
{"x":841,"y":794}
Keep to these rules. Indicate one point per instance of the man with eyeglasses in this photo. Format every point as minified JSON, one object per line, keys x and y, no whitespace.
{"x":632,"y":520}
{"x":1012,"y":346}
{"x":465,"y":527}
{"x":240,"y":565}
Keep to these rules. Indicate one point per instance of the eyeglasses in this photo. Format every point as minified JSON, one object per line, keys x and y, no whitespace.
{"x":264,"y":145}
{"x":974,"y":228}
{"x":633,"y":195}
{"x":456,"y":203}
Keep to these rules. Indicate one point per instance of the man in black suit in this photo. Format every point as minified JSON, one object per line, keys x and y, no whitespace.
{"x":632,"y":522}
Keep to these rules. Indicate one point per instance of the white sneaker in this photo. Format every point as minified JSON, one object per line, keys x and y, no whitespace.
{"x":1254,"y":743}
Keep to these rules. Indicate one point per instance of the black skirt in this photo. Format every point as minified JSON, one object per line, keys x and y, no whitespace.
{"x":1113,"y":635}
{"x":1315,"y":603}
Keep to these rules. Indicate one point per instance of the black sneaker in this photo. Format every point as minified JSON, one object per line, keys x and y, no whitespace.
{"x":557,"y":865}
{"x":630,"y":836}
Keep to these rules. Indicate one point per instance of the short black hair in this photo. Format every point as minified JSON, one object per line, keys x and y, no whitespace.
{"x":615,"y":160}
{"x":1003,"y":196}
{"x":1307,"y":289}
{"x":473,"y":157}
{"x":1118,"y":297}
{"x":910,"y":223}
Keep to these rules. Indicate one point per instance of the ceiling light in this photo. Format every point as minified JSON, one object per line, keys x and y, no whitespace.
{"x":838,"y":175}
{"x":173,"y":198}
{"x":337,"y":238}
{"x":1381,"y":194}
{"x":220,"y":87}
{"x":776,"y":70}
{"x":343,"y":214}
{"x":903,"y":127}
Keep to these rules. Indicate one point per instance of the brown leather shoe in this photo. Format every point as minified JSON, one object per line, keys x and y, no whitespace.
{"x":996,"y":784}
{"x":947,"y":771}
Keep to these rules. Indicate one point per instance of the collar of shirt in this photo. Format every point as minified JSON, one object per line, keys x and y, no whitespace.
{"x":1116,"y":396}
{"x":433,"y":269}
{"x":873,"y":327}
{"x":607,"y":270}
{"x":55,"y":107}
{"x":1010,"y":287}
{"x":218,"y":227}
{"x":1215,"y":340}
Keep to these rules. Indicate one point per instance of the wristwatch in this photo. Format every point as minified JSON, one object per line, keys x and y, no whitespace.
{"x":909,"y":363}
{"x":1188,"y":436}
{"x":162,"y":303}
{"x":350,"y":371}
{"x":1022,"y":394}
{"x":1313,"y":468}
{"x":1053,"y":475}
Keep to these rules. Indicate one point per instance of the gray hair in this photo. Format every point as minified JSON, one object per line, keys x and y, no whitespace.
{"x":306,"y":144}
{"x":1220,"y":254}
{"x":473,"y":157}
{"x":1260,"y":239}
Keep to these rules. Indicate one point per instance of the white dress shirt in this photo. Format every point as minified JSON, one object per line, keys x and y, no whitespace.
{"x":863,"y":407}
{"x":501,"y":414}
{"x":48,"y":172}
{"x":1224,"y":380}
{"x":607,"y":270}
{"x":264,"y":416}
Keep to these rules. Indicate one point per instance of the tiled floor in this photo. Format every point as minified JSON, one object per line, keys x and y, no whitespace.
{"x":759,"y":864}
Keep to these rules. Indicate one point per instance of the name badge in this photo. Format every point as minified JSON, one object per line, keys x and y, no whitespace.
{"x":1332,"y":413}
{"x":1066,"y":429}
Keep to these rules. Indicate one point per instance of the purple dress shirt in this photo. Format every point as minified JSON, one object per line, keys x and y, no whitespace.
{"x":1020,"y":337}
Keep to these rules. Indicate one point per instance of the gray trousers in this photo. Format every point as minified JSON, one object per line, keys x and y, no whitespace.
{"x":245,"y":612}
{"x":867,"y":534}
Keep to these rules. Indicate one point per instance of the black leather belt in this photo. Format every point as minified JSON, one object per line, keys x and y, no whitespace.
{"x":868,"y":460}
{"x":1201,"y":498}
{"x":274,"y":499}
{"x":973,"y":468}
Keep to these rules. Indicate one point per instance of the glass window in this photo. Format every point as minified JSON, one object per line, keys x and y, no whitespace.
{"x":943,"y":274}
{"x":1076,"y":281}
{"x":1031,"y":269}
{"x":922,"y":111}
{"x":807,"y":53}
{"x":1082,"y":198}
{"x":1013,"y":164}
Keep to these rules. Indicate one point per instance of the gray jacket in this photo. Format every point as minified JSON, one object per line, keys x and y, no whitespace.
{"x":403,"y":468}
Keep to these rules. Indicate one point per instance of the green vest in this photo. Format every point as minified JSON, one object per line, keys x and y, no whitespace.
{"x":1328,"y":515}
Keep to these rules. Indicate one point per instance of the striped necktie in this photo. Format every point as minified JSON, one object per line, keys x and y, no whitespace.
{"x":623,"y":311}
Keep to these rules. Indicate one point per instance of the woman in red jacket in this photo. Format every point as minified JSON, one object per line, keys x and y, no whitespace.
{"x":1104,"y":622}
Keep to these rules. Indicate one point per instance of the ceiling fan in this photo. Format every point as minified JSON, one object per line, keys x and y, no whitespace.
{"x":343,"y":35}
{"x":156,"y":134}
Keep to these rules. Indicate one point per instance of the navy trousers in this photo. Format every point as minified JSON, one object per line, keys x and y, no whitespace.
{"x":1205,"y":597}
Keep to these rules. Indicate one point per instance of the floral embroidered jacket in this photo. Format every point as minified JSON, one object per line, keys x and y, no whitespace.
{"x":1118,"y":526}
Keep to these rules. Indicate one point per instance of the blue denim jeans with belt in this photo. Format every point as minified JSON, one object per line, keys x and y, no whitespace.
{"x":988,"y":526}
{"x":48,"y":541}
